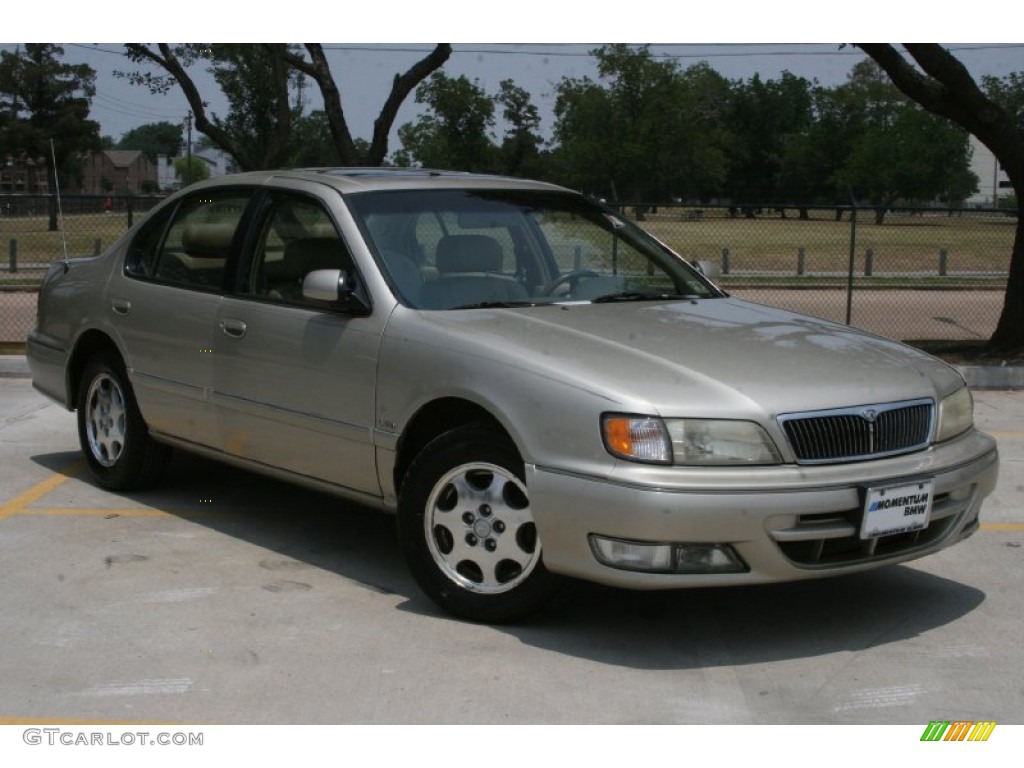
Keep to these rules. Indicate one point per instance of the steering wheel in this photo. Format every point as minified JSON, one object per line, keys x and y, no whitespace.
{"x":570,"y":279}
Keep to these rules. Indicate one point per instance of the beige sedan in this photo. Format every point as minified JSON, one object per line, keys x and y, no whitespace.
{"x":538,"y":389}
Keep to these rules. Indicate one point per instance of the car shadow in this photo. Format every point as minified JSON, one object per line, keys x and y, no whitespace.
{"x":698,"y":628}
{"x":680,"y":629}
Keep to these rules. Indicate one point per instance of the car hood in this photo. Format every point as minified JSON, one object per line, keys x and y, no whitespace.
{"x":714,"y":357}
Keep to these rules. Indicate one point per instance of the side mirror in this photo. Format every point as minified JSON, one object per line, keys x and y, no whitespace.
{"x":337,"y":287}
{"x":709,"y":269}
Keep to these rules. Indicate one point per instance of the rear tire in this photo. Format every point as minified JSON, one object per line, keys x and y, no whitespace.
{"x":466,"y":530}
{"x":113,"y":436}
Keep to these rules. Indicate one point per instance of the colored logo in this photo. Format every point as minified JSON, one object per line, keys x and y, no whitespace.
{"x":958,"y":730}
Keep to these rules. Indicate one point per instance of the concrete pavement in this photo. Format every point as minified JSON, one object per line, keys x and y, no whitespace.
{"x":224,"y":597}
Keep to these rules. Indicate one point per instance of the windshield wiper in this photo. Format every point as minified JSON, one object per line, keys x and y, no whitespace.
{"x":496,"y":305}
{"x":640,"y":296}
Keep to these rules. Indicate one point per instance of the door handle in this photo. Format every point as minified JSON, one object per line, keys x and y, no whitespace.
{"x":233,"y":328}
{"x":121,"y":306}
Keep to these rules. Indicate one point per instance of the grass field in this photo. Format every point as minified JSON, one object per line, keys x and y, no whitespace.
{"x":907,"y":244}
{"x":36,"y":245}
{"x":766,"y":246}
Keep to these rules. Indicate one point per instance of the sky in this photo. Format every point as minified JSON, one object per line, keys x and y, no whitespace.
{"x":736,"y":40}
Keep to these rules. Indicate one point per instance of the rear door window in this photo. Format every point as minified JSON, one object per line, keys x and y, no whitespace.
{"x":193,"y":249}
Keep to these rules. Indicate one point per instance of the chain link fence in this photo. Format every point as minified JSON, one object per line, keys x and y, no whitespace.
{"x":31,"y":239}
{"x":909,"y":274}
{"x":919,"y":274}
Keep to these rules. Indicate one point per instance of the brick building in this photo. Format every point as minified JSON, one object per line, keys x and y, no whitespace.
{"x":118,"y":172}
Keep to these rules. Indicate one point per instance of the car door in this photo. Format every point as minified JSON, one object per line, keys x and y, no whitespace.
{"x":294,"y":379}
{"x":163,"y":306}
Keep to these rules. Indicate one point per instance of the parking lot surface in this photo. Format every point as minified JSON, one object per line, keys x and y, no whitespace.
{"x":225,"y":597}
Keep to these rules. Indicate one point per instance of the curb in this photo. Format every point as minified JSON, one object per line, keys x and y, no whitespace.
{"x":992,"y":376}
{"x":13,"y":367}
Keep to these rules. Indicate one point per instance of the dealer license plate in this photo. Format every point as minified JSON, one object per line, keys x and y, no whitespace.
{"x":897,"y":509}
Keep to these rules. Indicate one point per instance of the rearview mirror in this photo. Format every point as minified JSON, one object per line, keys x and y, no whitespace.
{"x":709,"y":269}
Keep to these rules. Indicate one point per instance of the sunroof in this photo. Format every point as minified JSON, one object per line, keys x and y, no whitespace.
{"x":388,"y":172}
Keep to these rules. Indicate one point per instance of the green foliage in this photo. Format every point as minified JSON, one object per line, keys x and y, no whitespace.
{"x":1007,"y":92}
{"x":256,"y":81}
{"x":521,"y":147}
{"x":768,"y":118}
{"x":898,"y":152}
{"x":251,"y":77}
{"x":189,"y":170}
{"x":310,"y":144}
{"x":453,"y":133}
{"x":153,"y":139}
{"x":647,"y":131}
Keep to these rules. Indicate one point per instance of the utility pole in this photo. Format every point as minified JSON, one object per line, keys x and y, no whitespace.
{"x":188,"y":148}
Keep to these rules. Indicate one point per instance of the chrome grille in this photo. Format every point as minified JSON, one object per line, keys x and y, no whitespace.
{"x":863,"y":432}
{"x":829,"y":540}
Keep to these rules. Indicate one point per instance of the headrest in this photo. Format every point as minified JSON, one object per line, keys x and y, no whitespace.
{"x":311,"y":253}
{"x":208,"y":240}
{"x":468,"y":253}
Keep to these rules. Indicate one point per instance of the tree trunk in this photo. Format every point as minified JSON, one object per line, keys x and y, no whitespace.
{"x":1009,"y":333}
{"x":946,"y":88}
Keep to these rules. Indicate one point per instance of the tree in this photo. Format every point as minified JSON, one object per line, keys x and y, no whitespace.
{"x":941,"y":84}
{"x":41,"y":101}
{"x":153,"y":139}
{"x":611,"y":135}
{"x":453,"y":133}
{"x":647,"y":131}
{"x":311,"y":143}
{"x":812,"y":160}
{"x":520,"y":149}
{"x":1007,"y":92}
{"x":189,"y":170}
{"x":766,"y":117}
{"x":911,"y":156}
{"x":896,"y":150}
{"x":258,"y":80}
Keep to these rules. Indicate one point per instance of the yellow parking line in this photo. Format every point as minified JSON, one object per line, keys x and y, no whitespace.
{"x":37,"y":491}
{"x":79,"y":721}
{"x":96,"y":512}
{"x":1002,"y":526}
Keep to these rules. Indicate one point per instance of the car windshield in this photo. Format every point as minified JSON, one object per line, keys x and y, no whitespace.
{"x":469,"y":248}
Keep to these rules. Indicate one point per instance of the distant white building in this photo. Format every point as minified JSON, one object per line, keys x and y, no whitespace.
{"x":219,"y":163}
{"x":993,"y":183}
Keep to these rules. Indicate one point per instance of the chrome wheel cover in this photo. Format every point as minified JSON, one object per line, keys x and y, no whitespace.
{"x":479,"y":528}
{"x":105,"y":420}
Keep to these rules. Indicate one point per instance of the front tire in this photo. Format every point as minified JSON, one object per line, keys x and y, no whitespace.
{"x":113,"y":436}
{"x":467,"y":532}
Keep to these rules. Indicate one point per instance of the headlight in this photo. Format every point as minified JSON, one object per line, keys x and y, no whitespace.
{"x":956,"y":415}
{"x":691,"y":442}
{"x":712,"y":442}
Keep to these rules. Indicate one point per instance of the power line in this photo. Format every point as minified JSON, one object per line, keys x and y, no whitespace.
{"x":547,"y":50}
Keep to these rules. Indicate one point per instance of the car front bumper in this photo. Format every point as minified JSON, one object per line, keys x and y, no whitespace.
{"x":785,"y":523}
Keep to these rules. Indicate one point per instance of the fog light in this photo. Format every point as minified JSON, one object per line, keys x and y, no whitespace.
{"x":666,"y":558}
{"x":707,"y":558}
{"x":633,"y":555}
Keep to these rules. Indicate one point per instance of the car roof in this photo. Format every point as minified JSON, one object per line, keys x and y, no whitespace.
{"x":356,"y":180}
